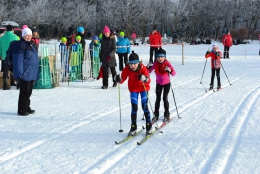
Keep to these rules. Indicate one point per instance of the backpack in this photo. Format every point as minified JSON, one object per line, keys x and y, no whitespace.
{"x":71,"y":39}
{"x":9,"y":52}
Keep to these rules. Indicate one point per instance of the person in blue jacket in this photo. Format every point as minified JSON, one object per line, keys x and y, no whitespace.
{"x":26,"y":70}
{"x":123,"y":49}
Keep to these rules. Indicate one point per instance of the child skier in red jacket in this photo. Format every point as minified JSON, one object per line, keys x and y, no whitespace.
{"x":138,"y":83}
{"x":215,"y":55}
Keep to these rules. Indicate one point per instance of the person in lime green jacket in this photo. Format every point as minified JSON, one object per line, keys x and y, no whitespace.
{"x":5,"y":41}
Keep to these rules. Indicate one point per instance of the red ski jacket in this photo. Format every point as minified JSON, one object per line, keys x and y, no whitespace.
{"x":134,"y":84}
{"x":155,"y":40}
{"x":227,"y":40}
{"x":215,"y":60}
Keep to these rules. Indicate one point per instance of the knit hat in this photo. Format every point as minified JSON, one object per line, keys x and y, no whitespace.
{"x":26,"y":31}
{"x":9,"y":27}
{"x":95,"y":38}
{"x":122,"y":34}
{"x":80,"y":29}
{"x":214,"y":46}
{"x":155,"y":27}
{"x":106,"y":30}
{"x":161,"y":53}
{"x":133,"y":58}
{"x":63,"y":39}
{"x":78,"y":37}
{"x":34,"y":29}
{"x":71,"y":29}
{"x":25,"y":26}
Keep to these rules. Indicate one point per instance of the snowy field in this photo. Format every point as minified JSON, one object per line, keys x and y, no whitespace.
{"x":75,"y":127}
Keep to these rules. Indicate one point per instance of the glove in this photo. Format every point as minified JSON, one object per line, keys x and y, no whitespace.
{"x":149,"y":65}
{"x":108,"y":58}
{"x":143,"y":78}
{"x":217,"y":54}
{"x":207,"y":52}
{"x":117,"y":78}
{"x":167,"y":69}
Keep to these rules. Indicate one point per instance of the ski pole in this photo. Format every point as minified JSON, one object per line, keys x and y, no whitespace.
{"x":174,"y":101}
{"x":121,"y":130}
{"x":225,"y":73}
{"x":151,"y":107}
{"x":203,"y":71}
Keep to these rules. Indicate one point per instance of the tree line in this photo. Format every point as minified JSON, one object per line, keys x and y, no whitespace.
{"x":184,"y":19}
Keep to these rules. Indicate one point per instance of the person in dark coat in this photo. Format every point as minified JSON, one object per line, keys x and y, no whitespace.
{"x":81,"y":33}
{"x":25,"y":70}
{"x":107,"y":56}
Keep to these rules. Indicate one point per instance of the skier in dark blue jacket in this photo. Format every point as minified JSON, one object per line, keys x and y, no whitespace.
{"x":26,"y":70}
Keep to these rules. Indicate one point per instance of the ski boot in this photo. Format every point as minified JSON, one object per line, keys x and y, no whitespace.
{"x":166,"y":116}
{"x":5,"y":85}
{"x":219,"y":87}
{"x":210,"y":87}
{"x":156,"y":116}
{"x":132,"y":131}
{"x":148,"y":128}
{"x":115,"y":84}
{"x":103,"y":87}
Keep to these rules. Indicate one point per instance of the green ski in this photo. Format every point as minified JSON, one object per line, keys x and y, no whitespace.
{"x":129,"y":137}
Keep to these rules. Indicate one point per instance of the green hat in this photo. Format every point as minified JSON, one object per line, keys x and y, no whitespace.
{"x":122,"y":34}
{"x":63,"y":39}
{"x":78,"y":38}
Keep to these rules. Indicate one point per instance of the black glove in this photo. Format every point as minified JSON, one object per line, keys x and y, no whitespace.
{"x":143,"y":78}
{"x":167,"y":69}
{"x":207,"y":52}
{"x":217,"y":54}
{"x":117,"y":78}
{"x":149,"y":65}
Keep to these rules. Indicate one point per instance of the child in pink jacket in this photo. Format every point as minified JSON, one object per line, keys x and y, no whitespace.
{"x":163,"y":69}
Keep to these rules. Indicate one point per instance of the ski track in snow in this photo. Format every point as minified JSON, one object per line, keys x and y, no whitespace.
{"x":103,"y":165}
{"x":8,"y":155}
{"x":226,"y":147}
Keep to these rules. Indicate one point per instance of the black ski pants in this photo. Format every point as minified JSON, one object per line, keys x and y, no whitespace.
{"x":24,"y":101}
{"x":105,"y":75}
{"x":122,"y":59}
{"x":226,"y":52}
{"x":159,"y":89}
{"x":153,"y":51}
{"x":213,"y":72}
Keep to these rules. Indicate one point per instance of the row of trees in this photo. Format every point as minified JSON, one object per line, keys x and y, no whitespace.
{"x":188,"y":19}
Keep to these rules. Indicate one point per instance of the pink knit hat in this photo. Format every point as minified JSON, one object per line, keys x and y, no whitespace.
{"x":106,"y":30}
{"x":25,"y":26}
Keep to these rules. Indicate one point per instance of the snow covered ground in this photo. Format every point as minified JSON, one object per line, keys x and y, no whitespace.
{"x":75,"y":127}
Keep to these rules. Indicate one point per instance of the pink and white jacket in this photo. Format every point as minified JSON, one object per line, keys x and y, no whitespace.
{"x":162,"y":76}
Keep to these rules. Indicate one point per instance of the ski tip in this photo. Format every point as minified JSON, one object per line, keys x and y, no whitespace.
{"x":161,"y":132}
{"x":116,"y":142}
{"x":143,"y":127}
{"x":138,"y":143}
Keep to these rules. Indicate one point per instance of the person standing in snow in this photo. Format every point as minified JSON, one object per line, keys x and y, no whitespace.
{"x":138,"y":83}
{"x":107,"y":56}
{"x":134,"y":37}
{"x":26,"y":70}
{"x":63,"y":48}
{"x":94,"y":48}
{"x":155,"y":39}
{"x":163,"y":69}
{"x":5,"y":41}
{"x":227,"y":42}
{"x":81,"y":33}
{"x":215,"y":55}
{"x":123,"y":49}
{"x":35,"y":38}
